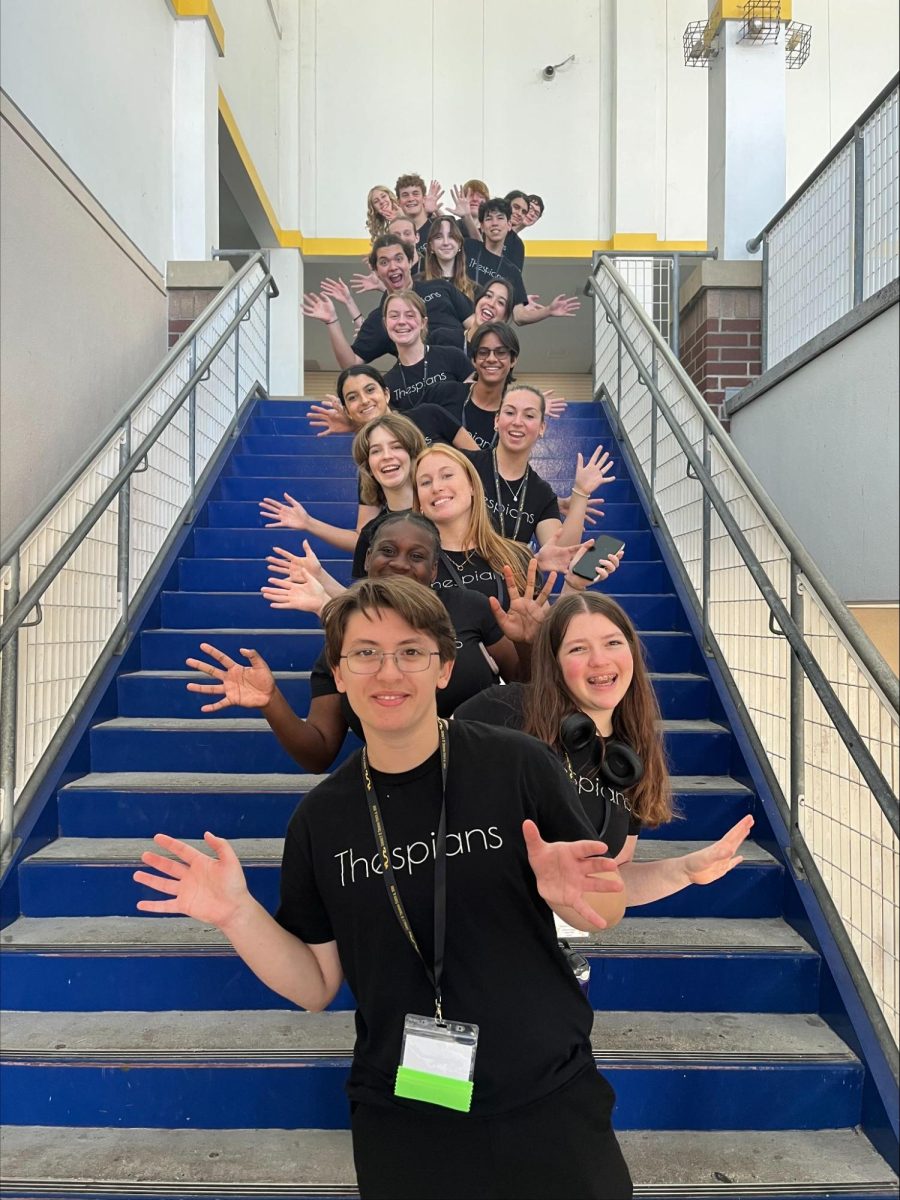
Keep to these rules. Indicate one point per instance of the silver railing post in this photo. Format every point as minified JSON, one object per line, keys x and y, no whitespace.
{"x":675,"y":319}
{"x":764,"y":306}
{"x":707,"y":535}
{"x":237,"y":365}
{"x":619,"y":356}
{"x":797,"y":726}
{"x":192,"y":432}
{"x":859,"y":215}
{"x":123,"y":554}
{"x":9,"y":705}
{"x":269,"y":336}
{"x":654,"y":374}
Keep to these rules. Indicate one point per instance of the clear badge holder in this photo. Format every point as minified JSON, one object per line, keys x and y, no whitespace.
{"x":437,"y":1062}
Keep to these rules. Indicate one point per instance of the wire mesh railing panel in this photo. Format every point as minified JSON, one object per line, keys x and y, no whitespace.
{"x":650,"y":280}
{"x":737,"y":556}
{"x":151,"y":465}
{"x":881,"y":150}
{"x":842,"y":823}
{"x":810,"y":261}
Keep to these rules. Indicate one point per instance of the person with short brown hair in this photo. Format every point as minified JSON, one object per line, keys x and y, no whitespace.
{"x":418,"y":872}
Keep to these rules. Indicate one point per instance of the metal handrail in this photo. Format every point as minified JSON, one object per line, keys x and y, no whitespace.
{"x":804,"y":667}
{"x":882,"y":676}
{"x":20,"y":535}
{"x":754,"y":243}
{"x":869,"y":769}
{"x":21,"y":610}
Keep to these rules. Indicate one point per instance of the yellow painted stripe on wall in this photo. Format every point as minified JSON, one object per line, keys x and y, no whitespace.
{"x":735,"y":10}
{"x":205,"y":9}
{"x":288,"y":239}
{"x":638,"y":243}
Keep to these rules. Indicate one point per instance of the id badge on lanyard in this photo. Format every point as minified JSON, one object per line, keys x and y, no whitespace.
{"x":437,"y":1058}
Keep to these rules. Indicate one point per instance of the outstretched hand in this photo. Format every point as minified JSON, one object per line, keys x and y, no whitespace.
{"x":209,"y":889}
{"x":252,"y":686}
{"x":284,"y":516}
{"x":319,"y":308}
{"x":433,"y":198}
{"x":554,"y":406}
{"x":714,"y":861}
{"x":297,"y":567}
{"x":526,"y":612}
{"x":592,"y":509}
{"x":336,"y":289}
{"x":368,"y":282}
{"x":565,"y":872}
{"x":594,"y":473}
{"x":563,"y":306}
{"x":301,"y":593}
{"x":330,"y":416}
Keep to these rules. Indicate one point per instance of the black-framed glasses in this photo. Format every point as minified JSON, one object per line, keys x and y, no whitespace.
{"x":409,"y":660}
{"x":483,"y":353}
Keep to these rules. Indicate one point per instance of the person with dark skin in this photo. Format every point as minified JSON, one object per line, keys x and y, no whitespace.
{"x":405,"y":546}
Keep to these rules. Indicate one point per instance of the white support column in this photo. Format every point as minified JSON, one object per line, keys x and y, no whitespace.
{"x":286,"y":330}
{"x":746,"y":179}
{"x":195,"y":150}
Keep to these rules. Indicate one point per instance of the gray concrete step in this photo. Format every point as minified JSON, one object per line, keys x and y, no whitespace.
{"x":648,"y":934}
{"x":298,"y":1034}
{"x":241,"y":1162}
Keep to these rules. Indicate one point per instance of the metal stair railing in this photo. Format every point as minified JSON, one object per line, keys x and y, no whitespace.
{"x":815,"y":695}
{"x":72,"y":575}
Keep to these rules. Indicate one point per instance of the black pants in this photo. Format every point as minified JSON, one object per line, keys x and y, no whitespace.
{"x":562,"y":1145}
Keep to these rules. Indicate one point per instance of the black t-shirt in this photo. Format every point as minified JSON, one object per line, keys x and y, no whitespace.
{"x":422,"y":237}
{"x":482,"y":266}
{"x":480,"y":423}
{"x":475,"y":626}
{"x":446,"y":306}
{"x":608,"y":810}
{"x":514,"y":250}
{"x":520,"y":506}
{"x":503,"y":969}
{"x":466,"y":569}
{"x":411,"y":386}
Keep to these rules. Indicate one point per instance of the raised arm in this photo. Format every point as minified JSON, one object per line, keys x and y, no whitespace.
{"x":589,"y":477}
{"x":649,"y":881}
{"x":533,"y":311}
{"x":313,"y":743}
{"x":320,"y":308}
{"x":292,"y":515}
{"x":338,"y":292}
{"x":212,"y":888}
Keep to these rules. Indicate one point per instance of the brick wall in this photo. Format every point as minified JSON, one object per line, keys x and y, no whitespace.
{"x":185,"y":305}
{"x":721,"y":341}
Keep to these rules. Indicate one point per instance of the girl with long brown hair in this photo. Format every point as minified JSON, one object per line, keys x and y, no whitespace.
{"x":587,"y":662}
{"x":445,"y":256}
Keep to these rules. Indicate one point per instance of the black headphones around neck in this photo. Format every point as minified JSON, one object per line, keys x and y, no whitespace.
{"x":616,"y":762}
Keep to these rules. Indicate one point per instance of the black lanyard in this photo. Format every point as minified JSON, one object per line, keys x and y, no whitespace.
{"x":520,"y":500}
{"x":469,"y":401}
{"x":424,"y":370}
{"x":453,"y":572}
{"x":440,"y":870}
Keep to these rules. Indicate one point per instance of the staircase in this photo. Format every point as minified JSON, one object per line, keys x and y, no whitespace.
{"x":141,"y":1058}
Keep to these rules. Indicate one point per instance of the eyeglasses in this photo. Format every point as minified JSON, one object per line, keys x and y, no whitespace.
{"x":409,"y":660}
{"x":485,"y":352}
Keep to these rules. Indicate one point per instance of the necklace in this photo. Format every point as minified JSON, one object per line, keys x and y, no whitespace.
{"x":519,"y":496}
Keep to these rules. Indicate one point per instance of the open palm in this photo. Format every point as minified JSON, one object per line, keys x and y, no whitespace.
{"x":209,"y":889}
{"x":526,"y":612}
{"x":252,"y":686}
{"x":712,"y":862}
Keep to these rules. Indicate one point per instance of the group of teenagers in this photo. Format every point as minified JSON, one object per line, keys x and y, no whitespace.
{"x":511,"y":754}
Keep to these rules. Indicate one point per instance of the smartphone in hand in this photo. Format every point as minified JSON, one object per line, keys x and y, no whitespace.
{"x":604,"y":547}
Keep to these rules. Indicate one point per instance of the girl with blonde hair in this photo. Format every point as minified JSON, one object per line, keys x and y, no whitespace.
{"x":381,"y":208}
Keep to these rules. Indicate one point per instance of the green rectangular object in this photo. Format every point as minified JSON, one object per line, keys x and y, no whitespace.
{"x":434,"y":1089}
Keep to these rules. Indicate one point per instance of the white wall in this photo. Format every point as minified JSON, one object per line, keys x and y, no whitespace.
{"x":854,"y":53}
{"x":453,"y":89}
{"x":824,"y":444}
{"x":96,"y":80}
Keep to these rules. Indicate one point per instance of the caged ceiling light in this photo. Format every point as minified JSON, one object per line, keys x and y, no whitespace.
{"x":761,"y":23}
{"x":797,"y":44}
{"x":699,"y":47}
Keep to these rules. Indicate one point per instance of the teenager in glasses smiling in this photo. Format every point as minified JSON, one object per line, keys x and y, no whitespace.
{"x":381,"y":862}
